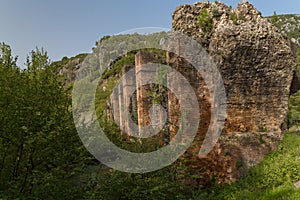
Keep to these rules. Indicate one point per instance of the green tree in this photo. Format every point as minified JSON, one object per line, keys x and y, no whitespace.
{"x":274,"y":18}
{"x":39,"y":147}
{"x":6,"y":59}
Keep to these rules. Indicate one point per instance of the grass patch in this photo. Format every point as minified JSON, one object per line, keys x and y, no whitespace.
{"x":273,"y":178}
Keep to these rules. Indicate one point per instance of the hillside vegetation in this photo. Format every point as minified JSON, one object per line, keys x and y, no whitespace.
{"x":289,"y":25}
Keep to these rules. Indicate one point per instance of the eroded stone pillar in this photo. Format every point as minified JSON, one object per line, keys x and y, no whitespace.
{"x":121,"y":107}
{"x":128,"y":83}
{"x":196,"y":81}
{"x":115,"y":105}
{"x":143,"y":91}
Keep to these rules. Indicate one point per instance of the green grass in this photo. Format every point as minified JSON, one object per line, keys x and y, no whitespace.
{"x":273,"y":178}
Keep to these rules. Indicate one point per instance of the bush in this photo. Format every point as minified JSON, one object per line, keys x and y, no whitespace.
{"x":205,"y":20}
{"x":274,"y":18}
{"x":216,"y":12}
{"x":234,"y":18}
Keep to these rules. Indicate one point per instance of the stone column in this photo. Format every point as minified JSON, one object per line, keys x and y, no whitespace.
{"x":143,"y":99}
{"x":115,"y":105}
{"x":121,"y":107}
{"x":128,"y":83}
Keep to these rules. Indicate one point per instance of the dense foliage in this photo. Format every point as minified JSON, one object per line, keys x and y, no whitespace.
{"x":39,"y":147}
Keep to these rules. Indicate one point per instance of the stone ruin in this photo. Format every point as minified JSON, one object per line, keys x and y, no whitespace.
{"x":258,"y":67}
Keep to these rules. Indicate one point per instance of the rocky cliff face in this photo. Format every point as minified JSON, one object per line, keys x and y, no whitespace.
{"x":257,"y":64}
{"x":67,"y":67}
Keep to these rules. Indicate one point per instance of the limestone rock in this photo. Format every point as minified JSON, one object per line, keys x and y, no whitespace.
{"x":257,"y":64}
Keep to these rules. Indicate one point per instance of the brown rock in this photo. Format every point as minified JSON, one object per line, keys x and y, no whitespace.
{"x":258,"y":65}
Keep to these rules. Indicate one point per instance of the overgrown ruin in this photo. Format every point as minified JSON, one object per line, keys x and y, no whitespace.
{"x":257,"y":65}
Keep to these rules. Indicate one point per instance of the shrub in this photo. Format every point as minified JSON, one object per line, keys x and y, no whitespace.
{"x":274,"y":18}
{"x":205,"y":20}
{"x":216,"y":12}
{"x":234,"y":18}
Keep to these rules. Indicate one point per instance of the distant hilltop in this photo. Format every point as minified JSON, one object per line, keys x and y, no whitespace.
{"x":289,"y":25}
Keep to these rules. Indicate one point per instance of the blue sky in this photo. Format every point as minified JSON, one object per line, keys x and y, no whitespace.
{"x":70,"y":27}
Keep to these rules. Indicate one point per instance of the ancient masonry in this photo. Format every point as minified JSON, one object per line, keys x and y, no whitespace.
{"x":258,"y":67}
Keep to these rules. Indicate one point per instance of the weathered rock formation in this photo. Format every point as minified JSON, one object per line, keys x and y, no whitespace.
{"x":258,"y":67}
{"x":257,"y":64}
